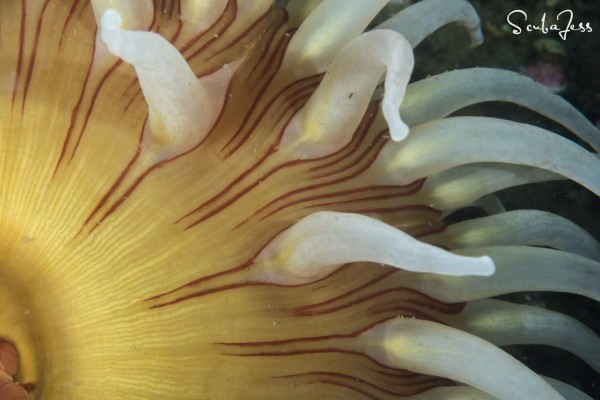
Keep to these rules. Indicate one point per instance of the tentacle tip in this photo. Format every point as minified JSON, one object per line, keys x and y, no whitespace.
{"x":453,"y":264}
{"x":488,"y":267}
{"x":476,"y":37}
{"x":110,"y":24}
{"x":399,"y":131}
{"x":397,"y":127}
{"x":111,"y":20}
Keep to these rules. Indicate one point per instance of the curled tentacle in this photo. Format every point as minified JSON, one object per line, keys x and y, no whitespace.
{"x":422,"y":19}
{"x":348,"y":86}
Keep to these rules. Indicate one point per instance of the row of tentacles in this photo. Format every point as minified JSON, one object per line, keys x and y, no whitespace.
{"x":448,"y":151}
{"x":432,"y":165}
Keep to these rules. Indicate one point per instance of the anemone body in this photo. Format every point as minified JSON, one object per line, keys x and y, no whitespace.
{"x":216,"y":210}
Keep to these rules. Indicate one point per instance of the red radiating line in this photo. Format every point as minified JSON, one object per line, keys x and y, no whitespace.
{"x":32,"y":58}
{"x":353,"y":388}
{"x":173,"y":38}
{"x":376,"y":147}
{"x":171,"y":9}
{"x":400,"y":374}
{"x":210,"y":291}
{"x":428,"y":302}
{"x":92,"y":104}
{"x":336,"y":194}
{"x":276,"y":54}
{"x":261,"y":115}
{"x":351,"y":292}
{"x":408,"y":382}
{"x":354,"y":147}
{"x":379,"y":141}
{"x":357,"y":138}
{"x":280,"y":353}
{"x":21,"y":49}
{"x":409,"y":189}
{"x":309,"y":339}
{"x":229,"y":186}
{"x":74,"y":113}
{"x":227,"y":25}
{"x":127,"y":193}
{"x":199,"y":35}
{"x":198,"y":281}
{"x":67,"y":21}
{"x":240,"y":194}
{"x":238,"y":268}
{"x":442,"y":307}
{"x":114,"y":186}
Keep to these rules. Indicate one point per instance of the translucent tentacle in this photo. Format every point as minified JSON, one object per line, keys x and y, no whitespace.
{"x":453,"y":393}
{"x":522,"y":227}
{"x":567,"y":391}
{"x":135,"y":15}
{"x":504,"y":323}
{"x":518,"y":269}
{"x":330,"y":25}
{"x":470,"y":393}
{"x":248,"y":12}
{"x":490,"y":204}
{"x":462,"y":185}
{"x":422,"y":19}
{"x":299,"y":10}
{"x":323,"y":241}
{"x":435,"y":349}
{"x":442,"y":144}
{"x":440,"y":95}
{"x":200,"y":14}
{"x":182,"y":109}
{"x":315,"y":131}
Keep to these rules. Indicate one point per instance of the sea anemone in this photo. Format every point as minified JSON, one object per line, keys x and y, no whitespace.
{"x":225,"y":199}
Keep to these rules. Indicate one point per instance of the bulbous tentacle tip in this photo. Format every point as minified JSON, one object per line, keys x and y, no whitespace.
{"x":322,"y":242}
{"x":137,"y":15}
{"x":110,"y":26}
